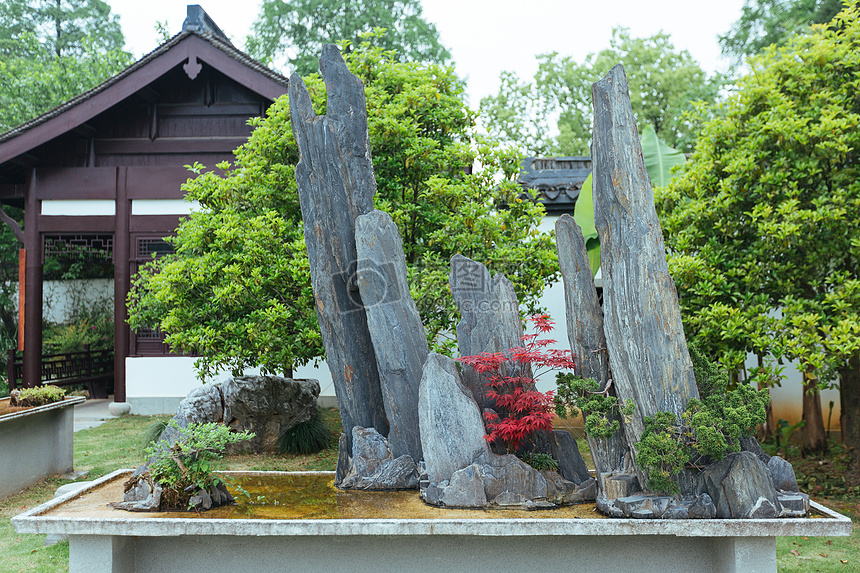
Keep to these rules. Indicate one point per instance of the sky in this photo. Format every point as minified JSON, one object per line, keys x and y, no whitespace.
{"x":486,"y":37}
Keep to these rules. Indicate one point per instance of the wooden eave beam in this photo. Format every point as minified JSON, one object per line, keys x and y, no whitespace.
{"x":26,"y":160}
{"x":11,"y":191}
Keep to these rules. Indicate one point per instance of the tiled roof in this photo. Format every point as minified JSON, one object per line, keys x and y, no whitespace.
{"x":217,"y":41}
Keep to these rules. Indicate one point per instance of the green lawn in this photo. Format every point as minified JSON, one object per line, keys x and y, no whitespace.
{"x":117,"y":444}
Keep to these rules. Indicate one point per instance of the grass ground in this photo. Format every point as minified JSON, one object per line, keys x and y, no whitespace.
{"x":117,"y":444}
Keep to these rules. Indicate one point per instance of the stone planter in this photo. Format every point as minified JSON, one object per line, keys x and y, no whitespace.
{"x":103,"y":540}
{"x":36,"y":443}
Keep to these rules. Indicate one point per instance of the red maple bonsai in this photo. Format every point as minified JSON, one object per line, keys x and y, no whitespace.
{"x":521,"y":408}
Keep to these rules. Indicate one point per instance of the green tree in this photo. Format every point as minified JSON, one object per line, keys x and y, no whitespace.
{"x":53,"y":50}
{"x":238,"y":288}
{"x":299,"y":28}
{"x":763,"y":226}
{"x":664,"y":84}
{"x":62,"y":28}
{"x":766,"y":22}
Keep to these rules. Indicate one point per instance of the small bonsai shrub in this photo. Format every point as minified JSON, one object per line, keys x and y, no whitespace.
{"x":521,"y":409}
{"x":38,"y":396}
{"x":306,"y":438}
{"x":709,"y":428}
{"x":601,"y":412}
{"x":184,"y":469}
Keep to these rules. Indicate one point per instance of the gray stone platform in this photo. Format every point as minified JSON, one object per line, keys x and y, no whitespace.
{"x":132,"y":543}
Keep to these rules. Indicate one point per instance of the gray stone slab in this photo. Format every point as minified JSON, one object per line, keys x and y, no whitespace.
{"x":336,"y":184}
{"x":452,"y":431}
{"x":585,"y":334}
{"x":642,"y":321}
{"x":399,"y":342}
{"x":489,"y":319}
{"x":40,"y":520}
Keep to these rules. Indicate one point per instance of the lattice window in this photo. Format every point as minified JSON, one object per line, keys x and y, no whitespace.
{"x":79,"y":247}
{"x":148,"y":333}
{"x":152,"y":247}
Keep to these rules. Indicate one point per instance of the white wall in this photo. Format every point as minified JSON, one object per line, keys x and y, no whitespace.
{"x":58,"y":297}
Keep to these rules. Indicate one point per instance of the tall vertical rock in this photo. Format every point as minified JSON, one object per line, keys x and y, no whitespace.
{"x":585,"y":333}
{"x":642,"y":320}
{"x":489,"y":317}
{"x":336,"y":184}
{"x":399,"y":341}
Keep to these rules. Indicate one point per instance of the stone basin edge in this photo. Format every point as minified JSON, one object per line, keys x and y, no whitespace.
{"x":130,"y":524}
{"x":69,"y":401}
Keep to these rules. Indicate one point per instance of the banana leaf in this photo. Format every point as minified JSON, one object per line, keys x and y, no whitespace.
{"x":659,"y":157}
{"x":583,"y":214}
{"x":659,"y":160}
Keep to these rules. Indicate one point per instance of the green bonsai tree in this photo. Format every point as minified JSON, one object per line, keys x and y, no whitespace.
{"x":184,"y":468}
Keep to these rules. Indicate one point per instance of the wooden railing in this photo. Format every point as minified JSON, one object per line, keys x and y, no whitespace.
{"x":94,"y":368}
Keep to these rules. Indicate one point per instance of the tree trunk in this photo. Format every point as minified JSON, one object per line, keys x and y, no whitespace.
{"x":849,"y":390}
{"x":769,"y":427}
{"x":814,"y":436}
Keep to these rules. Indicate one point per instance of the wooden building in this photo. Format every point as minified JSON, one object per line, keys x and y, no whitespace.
{"x":103,"y":171}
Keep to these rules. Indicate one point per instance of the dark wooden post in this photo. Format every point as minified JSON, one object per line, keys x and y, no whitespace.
{"x":121,"y":256}
{"x":10,"y":369}
{"x":33,"y":283}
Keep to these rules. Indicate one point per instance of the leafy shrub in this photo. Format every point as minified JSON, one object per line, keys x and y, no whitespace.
{"x":153,"y":432}
{"x":184,"y":468}
{"x":90,"y":325}
{"x":39,"y":396}
{"x":306,"y":438}
{"x":600,"y":411}
{"x":541,"y":462}
{"x":522,"y":409}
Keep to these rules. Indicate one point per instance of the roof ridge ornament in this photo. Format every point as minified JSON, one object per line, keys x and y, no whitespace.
{"x":199,"y":22}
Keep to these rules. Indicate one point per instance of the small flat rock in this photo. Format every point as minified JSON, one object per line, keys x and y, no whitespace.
{"x":642,"y":514}
{"x":794,"y":504}
{"x":783,"y":474}
{"x":632,"y":503}
{"x":676,"y":512}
